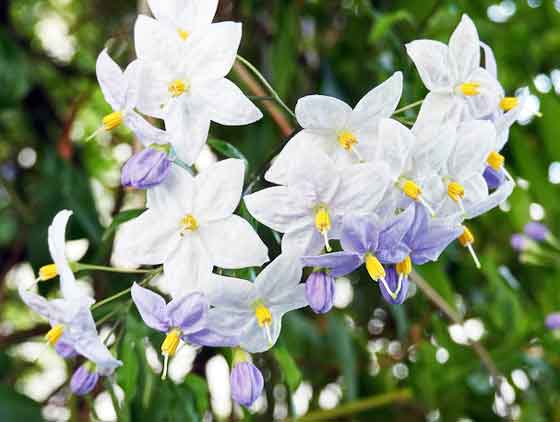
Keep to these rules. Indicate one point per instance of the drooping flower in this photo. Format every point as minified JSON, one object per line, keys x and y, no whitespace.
{"x":319,"y":291}
{"x":257,"y":308}
{"x":367,"y":240}
{"x":187,"y":88}
{"x":189,"y":226}
{"x":247,"y":383}
{"x":347,"y":135}
{"x":537,"y":231}
{"x":84,"y":380}
{"x":313,"y":197}
{"x":459,"y":87}
{"x":121,"y":91}
{"x":395,"y":290}
{"x":188,"y":318}
{"x":553,"y":321}
{"x":146,"y":168}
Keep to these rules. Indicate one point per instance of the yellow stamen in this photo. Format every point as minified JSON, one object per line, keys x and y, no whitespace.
{"x":54,"y":334}
{"x":183,"y":34}
{"x":171,"y":342}
{"x":456,"y":191}
{"x":46,"y":272}
{"x":467,"y":240}
{"x":495,"y":160}
{"x":177,"y":88}
{"x":263,"y":315}
{"x":470,"y":89}
{"x":347,"y":140}
{"x":323,"y":224}
{"x":188,"y":223}
{"x":411,"y":189}
{"x":405,"y":266}
{"x":509,"y":103}
{"x":374,"y":267}
{"x":113,"y":120}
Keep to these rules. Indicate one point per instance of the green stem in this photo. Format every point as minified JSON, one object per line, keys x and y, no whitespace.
{"x":408,"y":107}
{"x":177,"y":161}
{"x":266,"y":84}
{"x":404,"y":121}
{"x":358,"y":406}
{"x":79,"y":266}
{"x":122,"y":293}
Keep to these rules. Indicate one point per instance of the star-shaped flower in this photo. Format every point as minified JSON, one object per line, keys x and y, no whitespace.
{"x":190,"y":227}
{"x":313,"y":197}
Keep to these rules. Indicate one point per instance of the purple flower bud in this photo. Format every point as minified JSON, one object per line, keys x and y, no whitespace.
{"x":536,"y":231}
{"x":246,"y":383}
{"x":147,"y":168}
{"x":519,"y":242}
{"x":398,"y":292}
{"x":494,"y":178}
{"x":553,"y":321}
{"x":319,"y":291}
{"x":66,"y":350}
{"x":84,"y":380}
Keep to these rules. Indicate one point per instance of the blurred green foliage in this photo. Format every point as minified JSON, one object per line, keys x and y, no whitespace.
{"x":49,"y":103}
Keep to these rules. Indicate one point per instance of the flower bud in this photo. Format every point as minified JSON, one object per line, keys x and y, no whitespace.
{"x":319,"y":291}
{"x":398,"y":285}
{"x":66,"y":350}
{"x":246,"y":383}
{"x":519,"y":242}
{"x":553,"y":321}
{"x":147,"y":168}
{"x":494,"y":178}
{"x":84,"y":380}
{"x":536,"y":231}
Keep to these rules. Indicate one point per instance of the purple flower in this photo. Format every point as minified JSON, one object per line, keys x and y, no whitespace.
{"x":553,"y":321}
{"x":519,"y":242}
{"x":536,"y":231}
{"x":146,"y":168}
{"x":319,"y":291}
{"x":84,"y":380}
{"x":64,"y":349}
{"x":246,"y":383}
{"x":187,"y":318}
{"x":395,"y":288}
{"x":494,"y":178}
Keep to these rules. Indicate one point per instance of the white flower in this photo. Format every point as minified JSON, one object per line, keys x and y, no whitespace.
{"x":314,"y":196}
{"x":73,"y":324}
{"x":189,"y":226}
{"x":121,"y":92}
{"x":347,"y":135}
{"x":176,"y":22}
{"x":459,"y":88}
{"x":257,"y":308}
{"x":187,"y":88}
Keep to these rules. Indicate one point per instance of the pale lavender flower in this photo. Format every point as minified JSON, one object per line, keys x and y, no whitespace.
{"x":146,"y":168}
{"x":536,"y":231}
{"x":246,"y":383}
{"x":519,"y":242}
{"x":84,"y":380}
{"x":65,"y":349}
{"x":319,"y":291}
{"x":553,"y":321}
{"x":398,"y":286}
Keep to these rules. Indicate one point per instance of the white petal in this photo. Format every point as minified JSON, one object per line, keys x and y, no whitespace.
{"x":174,"y":197}
{"x":475,"y":140}
{"x":378,"y":103}
{"x":433,"y":148}
{"x":132,"y":75}
{"x":279,"y":278}
{"x":144,"y":131}
{"x":218,"y":189}
{"x":476,"y":189}
{"x":495,"y":199}
{"x":211,"y":52}
{"x":464,"y":47}
{"x":489,"y":60}
{"x":254,"y":338}
{"x":277,"y":207}
{"x":148,"y":239}
{"x":491,"y":92}
{"x":188,"y":127}
{"x":197,"y":14}
{"x":188,"y":268}
{"x":164,"y":10}
{"x":233,"y":243}
{"x":154,"y":98}
{"x":362,"y":187}
{"x":305,"y":240}
{"x":157,"y":42}
{"x":230,"y":293}
{"x":111,"y":80}
{"x":293,"y":298}
{"x":437,"y":110}
{"x":47,"y":309}
{"x":226,"y":104}
{"x":322,"y":112}
{"x":397,"y":142}
{"x":432,"y":62}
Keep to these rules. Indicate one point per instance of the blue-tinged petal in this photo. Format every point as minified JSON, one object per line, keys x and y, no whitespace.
{"x":419,"y":225}
{"x":396,"y":228}
{"x":189,"y":312}
{"x":492,"y":201}
{"x":340,"y":263}
{"x":429,"y":244}
{"x":152,"y":308}
{"x":398,"y":291}
{"x":394,"y":254}
{"x":246,"y":383}
{"x":360,"y":234}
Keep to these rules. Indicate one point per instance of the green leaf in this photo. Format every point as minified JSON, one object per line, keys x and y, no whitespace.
{"x":14,"y":72}
{"x":227,"y":150}
{"x":199,"y":389}
{"x":121,"y":218}
{"x":17,"y":407}
{"x":384,"y":23}
{"x":127,"y":375}
{"x":291,"y":372}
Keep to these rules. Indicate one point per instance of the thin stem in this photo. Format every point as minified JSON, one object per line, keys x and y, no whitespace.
{"x":151,"y":276}
{"x":266,"y":84}
{"x":408,"y":107}
{"x":177,"y":161}
{"x":79,"y":266}
{"x":358,"y":406}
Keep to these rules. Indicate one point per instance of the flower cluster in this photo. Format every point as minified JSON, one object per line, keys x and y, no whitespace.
{"x":392,"y":196}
